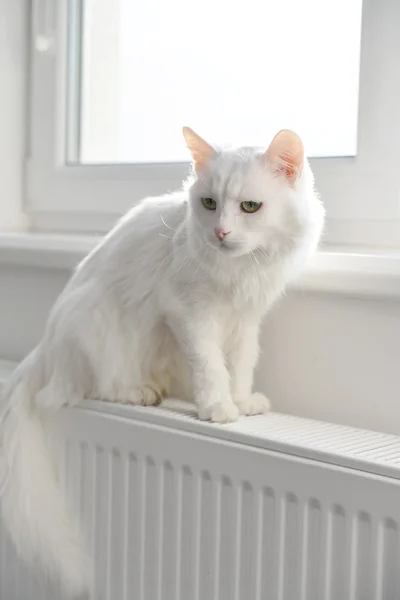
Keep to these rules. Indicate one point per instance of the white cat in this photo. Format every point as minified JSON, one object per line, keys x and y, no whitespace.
{"x":169,"y":303}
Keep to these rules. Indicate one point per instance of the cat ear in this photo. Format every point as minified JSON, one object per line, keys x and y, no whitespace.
{"x":286,"y":155}
{"x":200,"y":150}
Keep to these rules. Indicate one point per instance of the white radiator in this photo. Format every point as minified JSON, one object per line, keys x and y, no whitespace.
{"x":269,"y":508}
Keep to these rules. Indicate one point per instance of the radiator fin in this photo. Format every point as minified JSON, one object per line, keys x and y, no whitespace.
{"x":173,"y":516}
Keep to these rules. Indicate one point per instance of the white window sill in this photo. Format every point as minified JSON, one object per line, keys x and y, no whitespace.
{"x":350,"y":272}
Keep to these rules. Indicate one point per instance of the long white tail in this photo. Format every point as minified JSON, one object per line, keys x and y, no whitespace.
{"x":32,"y":504}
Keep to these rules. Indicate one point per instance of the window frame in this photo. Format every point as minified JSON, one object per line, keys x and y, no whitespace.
{"x":361,"y":193}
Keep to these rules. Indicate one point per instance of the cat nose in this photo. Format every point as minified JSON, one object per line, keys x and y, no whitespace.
{"x":220,"y":233}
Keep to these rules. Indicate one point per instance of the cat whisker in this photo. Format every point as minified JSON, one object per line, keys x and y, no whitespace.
{"x":166,"y":225}
{"x":199,"y":264}
{"x":255,"y":264}
{"x":255,"y":258}
{"x":173,"y":237}
{"x":185,"y":262}
{"x":264,"y":253}
{"x":250,"y":255}
{"x":167,"y":257}
{"x":214,"y":248}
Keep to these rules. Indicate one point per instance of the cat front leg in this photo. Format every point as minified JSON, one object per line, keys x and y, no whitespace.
{"x":200,"y":342}
{"x":242,"y":357}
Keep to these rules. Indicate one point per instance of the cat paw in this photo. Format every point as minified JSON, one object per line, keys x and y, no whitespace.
{"x":219,"y":412}
{"x":151,"y":395}
{"x":146,"y":395}
{"x":256,"y":404}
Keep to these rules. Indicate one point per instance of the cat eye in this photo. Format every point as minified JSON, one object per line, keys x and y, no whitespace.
{"x":209,"y":203}
{"x":249,"y":206}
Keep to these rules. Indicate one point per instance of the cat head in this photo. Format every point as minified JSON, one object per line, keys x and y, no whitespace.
{"x":246,"y":199}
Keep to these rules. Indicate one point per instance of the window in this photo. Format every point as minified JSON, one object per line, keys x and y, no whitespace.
{"x":113,"y":81}
{"x":140,"y":80}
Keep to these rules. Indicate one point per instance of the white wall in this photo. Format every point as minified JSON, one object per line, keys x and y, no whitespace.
{"x":325,"y":356}
{"x":26,"y":296}
{"x":14,"y":17}
{"x":334,"y":358}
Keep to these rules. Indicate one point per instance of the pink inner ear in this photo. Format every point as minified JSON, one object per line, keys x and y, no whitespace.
{"x":286,"y":155}
{"x":287,"y":166}
{"x":201,"y":151}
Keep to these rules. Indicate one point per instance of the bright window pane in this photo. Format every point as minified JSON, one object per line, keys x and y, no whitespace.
{"x":233,"y":71}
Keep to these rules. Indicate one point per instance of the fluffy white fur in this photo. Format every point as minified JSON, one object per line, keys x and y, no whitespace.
{"x":160,"y":307}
